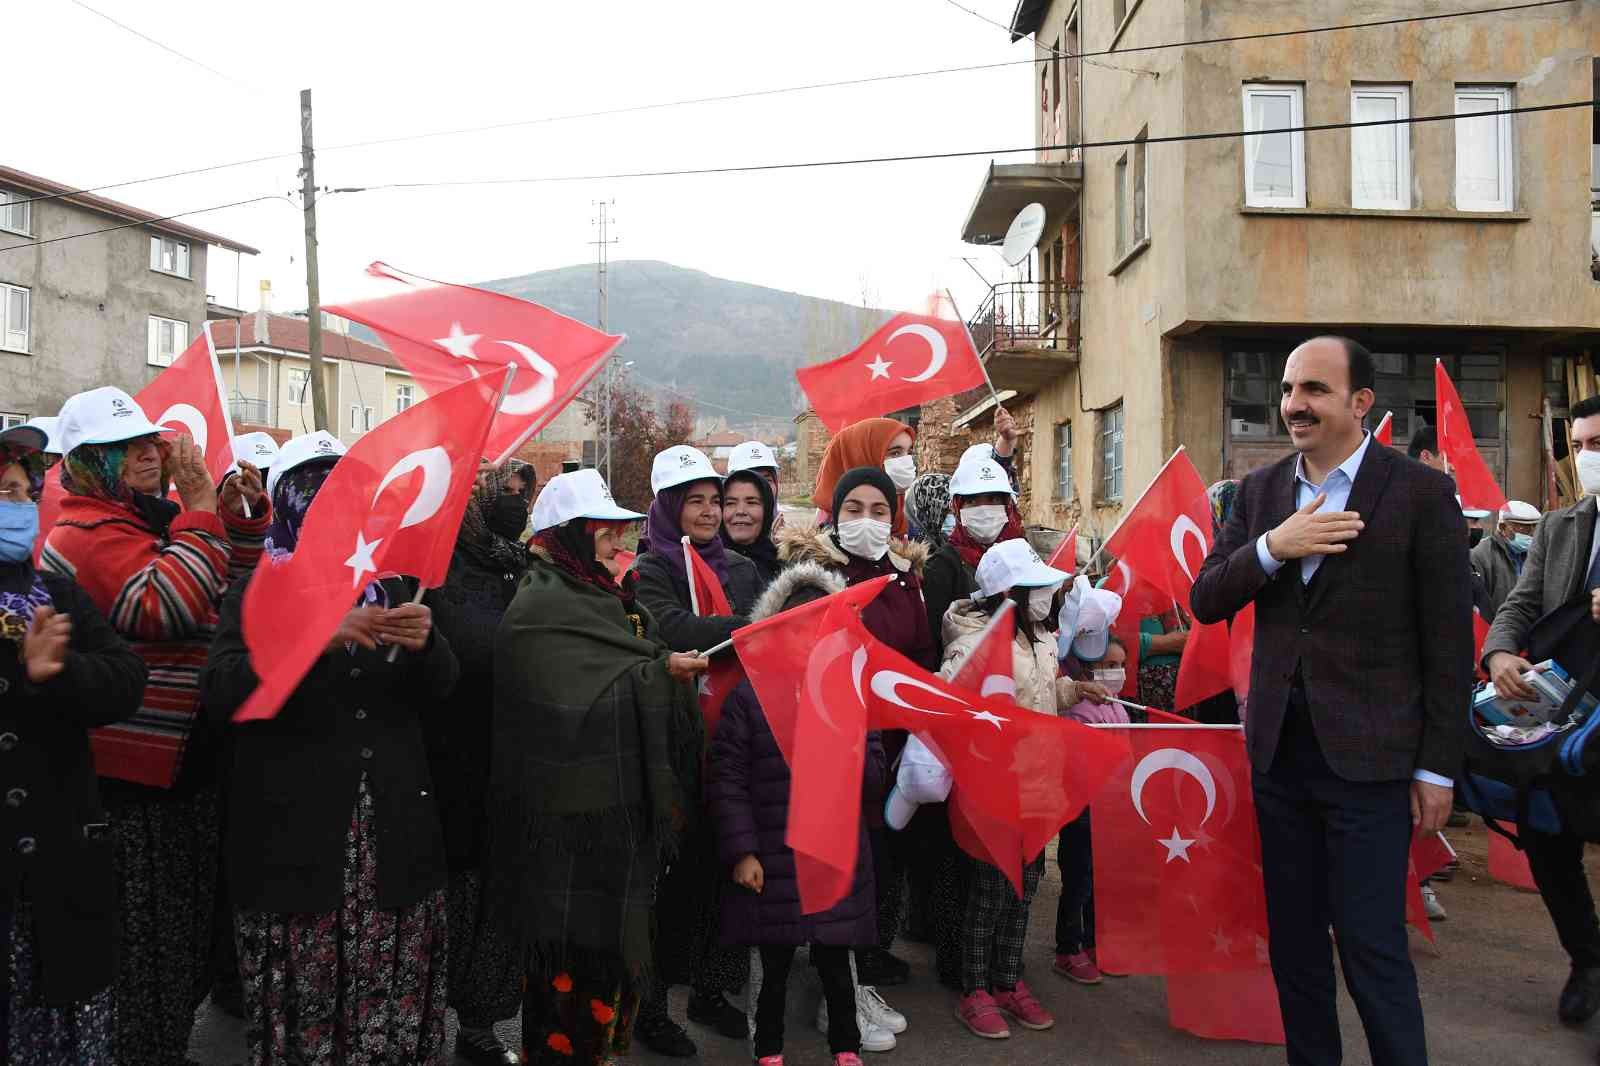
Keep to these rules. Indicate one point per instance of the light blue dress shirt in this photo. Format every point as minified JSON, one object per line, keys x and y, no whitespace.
{"x":1337,"y":486}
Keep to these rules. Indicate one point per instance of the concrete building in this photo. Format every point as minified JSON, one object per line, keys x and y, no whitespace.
{"x":1174,"y":278}
{"x":107,"y":308}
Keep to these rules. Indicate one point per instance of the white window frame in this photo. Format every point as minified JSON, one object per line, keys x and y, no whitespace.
{"x":360,"y":418}
{"x":153,"y":355}
{"x":299,"y":385}
{"x":370,"y":415}
{"x":404,"y":397}
{"x":1064,"y":460}
{"x":11,"y":338}
{"x":1113,"y":454}
{"x":10,"y":420}
{"x":8,"y":210}
{"x":1297,"y":144}
{"x":1139,"y":192}
{"x":1500,"y":96}
{"x":1401,"y":95}
{"x":183,"y":265}
{"x":1124,"y":224}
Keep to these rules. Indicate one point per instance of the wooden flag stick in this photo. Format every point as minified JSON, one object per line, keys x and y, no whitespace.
{"x":948,"y":295}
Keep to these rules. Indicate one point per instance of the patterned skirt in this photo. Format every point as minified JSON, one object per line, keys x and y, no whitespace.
{"x":39,"y":1035}
{"x":485,"y":965}
{"x":359,"y":986}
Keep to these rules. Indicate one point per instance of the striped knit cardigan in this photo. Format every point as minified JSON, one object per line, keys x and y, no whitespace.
{"x":161,"y":594}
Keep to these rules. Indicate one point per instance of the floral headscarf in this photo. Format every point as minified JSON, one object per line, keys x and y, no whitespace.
{"x":927,"y":504}
{"x":1221,"y":494}
{"x":17,"y":607}
{"x":291,"y":498}
{"x":96,"y":470}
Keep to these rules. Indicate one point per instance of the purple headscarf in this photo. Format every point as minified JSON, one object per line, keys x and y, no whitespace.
{"x":666,"y":534}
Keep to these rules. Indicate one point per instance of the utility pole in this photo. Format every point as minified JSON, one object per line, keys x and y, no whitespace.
{"x":308,"y":197}
{"x":608,"y":391}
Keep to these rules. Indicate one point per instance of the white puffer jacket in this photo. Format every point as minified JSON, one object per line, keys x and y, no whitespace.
{"x":1033,"y":663}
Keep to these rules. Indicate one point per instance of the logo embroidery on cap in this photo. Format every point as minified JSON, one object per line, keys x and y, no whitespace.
{"x":325,"y":447}
{"x":119,"y":409}
{"x":685,"y":460}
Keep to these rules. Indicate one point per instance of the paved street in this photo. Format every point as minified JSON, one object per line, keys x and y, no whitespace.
{"x":1489,"y":991}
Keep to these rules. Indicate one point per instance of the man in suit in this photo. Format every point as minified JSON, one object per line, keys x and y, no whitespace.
{"x":1356,"y":560}
{"x":1562,"y":565}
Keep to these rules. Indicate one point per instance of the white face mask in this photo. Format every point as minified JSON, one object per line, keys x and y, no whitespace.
{"x":1113,"y":678}
{"x":902,"y":470}
{"x":985,"y":522}
{"x":1039,"y":602}
{"x":1589,"y":472}
{"x":865,"y":538}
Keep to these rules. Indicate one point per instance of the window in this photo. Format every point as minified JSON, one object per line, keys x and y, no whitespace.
{"x":167,"y":338}
{"x":14,"y":216}
{"x":1483,"y":150}
{"x":591,"y":450}
{"x":1064,"y":461}
{"x":1380,"y":156}
{"x":1274,"y":163}
{"x":14,"y":315}
{"x":1141,"y":171}
{"x":360,"y":418}
{"x":1111,"y":454}
{"x":299,"y":381}
{"x":169,"y":256}
{"x":404,"y":397}
{"x":1073,"y":95}
{"x":11,"y":421}
{"x":1132,"y":217}
{"x":1122,"y":205}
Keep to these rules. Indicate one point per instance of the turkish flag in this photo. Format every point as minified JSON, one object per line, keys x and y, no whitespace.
{"x":1065,"y":557}
{"x":447,"y":334}
{"x":1166,"y":534}
{"x":1430,"y":853}
{"x":1474,"y":481}
{"x":1384,"y":434}
{"x":1240,"y":1005}
{"x":707,"y":598}
{"x":1206,"y":667}
{"x":1241,"y":650}
{"x":1508,"y":864}
{"x":1140,"y":600}
{"x":910,"y":360}
{"x":392,"y":503}
{"x":1480,"y":633}
{"x":1177,"y":856}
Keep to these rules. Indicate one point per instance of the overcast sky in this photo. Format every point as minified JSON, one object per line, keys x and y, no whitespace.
{"x":105,"y":106}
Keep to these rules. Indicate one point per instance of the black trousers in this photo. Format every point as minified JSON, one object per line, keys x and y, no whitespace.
{"x":1557,"y":866}
{"x":1075,"y":908}
{"x":1335,"y":852}
{"x":833,"y":966}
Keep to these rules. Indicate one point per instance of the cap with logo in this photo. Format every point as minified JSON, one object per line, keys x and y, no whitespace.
{"x":26,"y":436}
{"x":1014,"y":564}
{"x":679,"y":465}
{"x":1087,"y":615}
{"x":48,"y":426}
{"x":577,"y":494}
{"x":106,"y":415}
{"x":298,"y":451}
{"x":922,"y":778}
{"x":976,"y":451}
{"x":979,"y":477}
{"x":752,"y":455}
{"x":257,"y":448}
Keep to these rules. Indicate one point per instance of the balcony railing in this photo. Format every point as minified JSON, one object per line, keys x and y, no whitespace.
{"x":241,"y":409}
{"x":1028,"y":314}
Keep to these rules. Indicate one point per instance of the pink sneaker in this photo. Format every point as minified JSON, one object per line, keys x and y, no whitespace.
{"x":846,"y":1058}
{"x":1079,"y":968}
{"x":1094,"y":957}
{"x":770,"y":1060}
{"x":1020,"y":1004}
{"x":978,"y":1012}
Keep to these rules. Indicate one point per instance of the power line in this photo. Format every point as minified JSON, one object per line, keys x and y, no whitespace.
{"x":809,"y":87}
{"x":134,"y":225}
{"x":166,"y":47}
{"x":1054,"y":52}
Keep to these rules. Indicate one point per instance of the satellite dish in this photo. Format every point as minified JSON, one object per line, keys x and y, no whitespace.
{"x":1024,"y":234}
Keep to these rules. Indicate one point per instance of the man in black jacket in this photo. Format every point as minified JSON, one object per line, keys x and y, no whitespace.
{"x":1356,"y":561}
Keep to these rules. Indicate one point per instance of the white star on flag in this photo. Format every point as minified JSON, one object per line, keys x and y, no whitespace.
{"x":1177,"y":847}
{"x":1221,"y":941}
{"x":360,"y":560}
{"x":990,"y":717}
{"x":459,"y":344}
{"x":879,"y":367}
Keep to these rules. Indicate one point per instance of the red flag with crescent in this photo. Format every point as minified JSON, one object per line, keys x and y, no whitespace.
{"x":1166,"y":534}
{"x":1474,"y":480}
{"x":446,"y":334}
{"x":908,"y":361}
{"x":392,"y":504}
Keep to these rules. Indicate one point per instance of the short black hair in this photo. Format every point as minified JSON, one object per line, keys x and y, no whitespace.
{"x":1363,"y":374}
{"x":1425,"y":439}
{"x":1585,"y":408}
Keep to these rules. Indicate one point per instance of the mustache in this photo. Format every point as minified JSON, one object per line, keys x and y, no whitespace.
{"x":1303,"y":418}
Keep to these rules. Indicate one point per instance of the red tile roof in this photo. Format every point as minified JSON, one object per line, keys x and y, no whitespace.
{"x":294,"y":335}
{"x":725,"y":439}
{"x":21,"y":179}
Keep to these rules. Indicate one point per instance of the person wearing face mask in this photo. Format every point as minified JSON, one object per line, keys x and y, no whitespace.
{"x":878,"y":442}
{"x":485,"y":570}
{"x":984,"y":505}
{"x":64,"y":671}
{"x":158,"y":570}
{"x":995,"y":924}
{"x":749,"y":511}
{"x":1500,"y":556}
{"x":928,"y":516}
{"x":1562,"y":565}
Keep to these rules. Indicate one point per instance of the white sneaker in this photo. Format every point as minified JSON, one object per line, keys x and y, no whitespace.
{"x":873,"y":1037}
{"x":877,"y":1011}
{"x":1431,"y":905}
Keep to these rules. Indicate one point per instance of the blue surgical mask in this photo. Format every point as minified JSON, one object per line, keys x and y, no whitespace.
{"x":948,"y":526}
{"x":19,"y":528}
{"x":1521,"y":542}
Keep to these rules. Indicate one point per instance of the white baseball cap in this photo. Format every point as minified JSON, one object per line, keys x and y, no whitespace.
{"x":977,"y":451}
{"x":48,"y":426}
{"x":1518,"y":511}
{"x":1087,"y":615}
{"x":751,"y":455}
{"x":922,"y":778}
{"x":577,"y":494}
{"x":26,"y":435}
{"x":258,"y":448}
{"x":297,"y":451}
{"x":679,"y":465}
{"x":979,"y":477}
{"x":106,"y":415}
{"x":1014,"y":564}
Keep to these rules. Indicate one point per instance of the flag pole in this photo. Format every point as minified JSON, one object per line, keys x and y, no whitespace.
{"x":715,"y":648}
{"x":1128,"y":511}
{"x":688,"y":569}
{"x":981,"y":364}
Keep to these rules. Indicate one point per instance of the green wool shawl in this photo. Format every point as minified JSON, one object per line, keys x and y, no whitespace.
{"x":596,"y":756}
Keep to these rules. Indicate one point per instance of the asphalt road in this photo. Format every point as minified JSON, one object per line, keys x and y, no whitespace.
{"x":1489,"y":992}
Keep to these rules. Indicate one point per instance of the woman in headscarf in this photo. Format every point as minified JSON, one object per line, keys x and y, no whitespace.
{"x":985,"y":509}
{"x":63,"y":671}
{"x":485,"y":570}
{"x":749,"y":510}
{"x":881,"y":443}
{"x":596,"y":755}
{"x":688,"y":502}
{"x":157,"y":571}
{"x":335,"y":856}
{"x":928,"y":514}
{"x":1224,"y":708}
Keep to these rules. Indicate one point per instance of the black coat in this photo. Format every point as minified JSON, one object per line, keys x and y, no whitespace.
{"x":294,"y":778}
{"x":664,"y":592}
{"x":53,"y":832}
{"x":749,"y":795}
{"x":946,"y":578}
{"x":466,"y":611}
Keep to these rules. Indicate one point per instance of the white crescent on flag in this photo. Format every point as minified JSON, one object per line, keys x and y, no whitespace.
{"x":938,"y":350}
{"x":1171,"y":759}
{"x":435,"y":466}
{"x":189,"y":417}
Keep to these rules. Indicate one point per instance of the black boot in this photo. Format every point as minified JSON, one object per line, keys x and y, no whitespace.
{"x":715,"y":1012}
{"x":658,"y":1032}
{"x":875,"y":966}
{"x":1580,"y":998}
